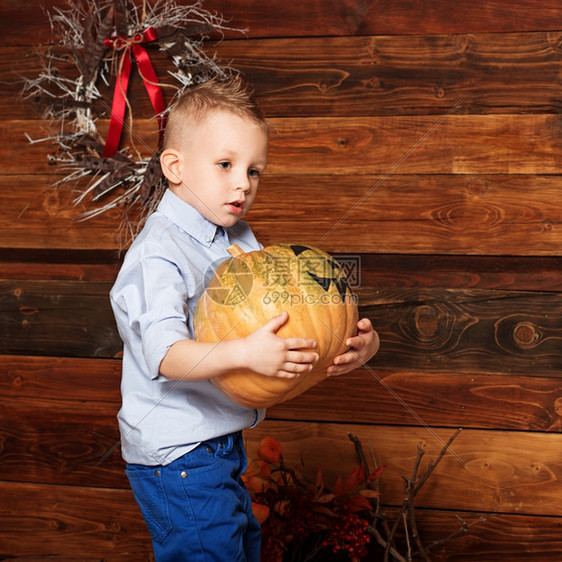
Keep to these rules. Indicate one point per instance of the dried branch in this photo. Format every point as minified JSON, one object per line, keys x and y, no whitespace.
{"x":406,"y":516}
{"x":152,"y":177}
{"x":409,"y":505}
{"x":433,"y":465}
{"x":80,"y":28}
{"x":464,"y":528}
{"x":359,"y":450}
{"x":122,"y":17}
{"x":382,"y":541}
{"x":378,"y":516}
{"x":94,"y":47}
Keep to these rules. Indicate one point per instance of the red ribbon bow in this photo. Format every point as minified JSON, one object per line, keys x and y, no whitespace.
{"x":131,"y":47}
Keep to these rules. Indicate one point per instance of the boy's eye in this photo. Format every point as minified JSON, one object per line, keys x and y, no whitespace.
{"x":224,"y":165}
{"x":254,"y":173}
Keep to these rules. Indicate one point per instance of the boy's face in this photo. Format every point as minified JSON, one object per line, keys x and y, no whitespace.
{"x":221,"y":159}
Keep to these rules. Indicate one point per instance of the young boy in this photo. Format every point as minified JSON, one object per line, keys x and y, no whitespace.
{"x":180,"y":435}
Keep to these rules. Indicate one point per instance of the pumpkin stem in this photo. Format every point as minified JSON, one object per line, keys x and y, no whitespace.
{"x":235,"y":250}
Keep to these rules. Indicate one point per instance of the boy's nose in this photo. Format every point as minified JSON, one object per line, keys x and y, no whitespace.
{"x":242,"y":183}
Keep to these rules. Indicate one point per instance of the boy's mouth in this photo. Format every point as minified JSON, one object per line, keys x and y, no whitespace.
{"x":236,"y":207}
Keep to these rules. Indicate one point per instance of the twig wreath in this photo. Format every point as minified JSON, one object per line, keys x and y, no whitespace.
{"x":105,"y":40}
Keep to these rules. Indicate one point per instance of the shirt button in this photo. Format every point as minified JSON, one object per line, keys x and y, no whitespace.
{"x":183,"y":474}
{"x":209,"y":239}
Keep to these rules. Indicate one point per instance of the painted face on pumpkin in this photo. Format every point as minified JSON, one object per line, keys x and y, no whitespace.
{"x":325,"y":271}
{"x":222,"y":159}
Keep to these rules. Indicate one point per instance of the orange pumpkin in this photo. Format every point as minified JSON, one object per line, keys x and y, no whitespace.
{"x":249,"y":289}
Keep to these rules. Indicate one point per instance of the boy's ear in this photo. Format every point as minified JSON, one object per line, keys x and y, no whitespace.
{"x":170,"y":161}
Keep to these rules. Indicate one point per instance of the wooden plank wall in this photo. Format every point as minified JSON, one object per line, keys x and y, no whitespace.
{"x":423,"y":137}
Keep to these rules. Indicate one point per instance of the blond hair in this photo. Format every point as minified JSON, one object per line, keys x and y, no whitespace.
{"x":195,"y":103}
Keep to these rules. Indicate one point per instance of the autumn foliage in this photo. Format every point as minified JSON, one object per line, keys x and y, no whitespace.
{"x":304,"y":520}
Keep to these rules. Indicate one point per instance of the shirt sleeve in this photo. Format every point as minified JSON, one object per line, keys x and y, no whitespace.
{"x":150,"y":303}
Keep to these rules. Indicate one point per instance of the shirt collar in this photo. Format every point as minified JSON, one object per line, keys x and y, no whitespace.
{"x":188,"y":218}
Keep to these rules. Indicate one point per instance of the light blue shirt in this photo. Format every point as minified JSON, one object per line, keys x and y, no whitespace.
{"x":153,"y":299}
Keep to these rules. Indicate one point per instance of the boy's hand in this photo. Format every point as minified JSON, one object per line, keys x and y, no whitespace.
{"x":272,"y":356}
{"x":361,"y":348}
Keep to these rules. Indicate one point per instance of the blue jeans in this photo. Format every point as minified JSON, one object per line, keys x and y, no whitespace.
{"x":196,"y":508}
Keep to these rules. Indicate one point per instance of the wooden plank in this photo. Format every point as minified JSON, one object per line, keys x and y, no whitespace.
{"x":432,"y":329}
{"x":37,"y":214}
{"x":493,"y":471}
{"x":61,"y":442}
{"x":387,"y":145}
{"x":466,"y":202}
{"x":69,"y":524}
{"x":448,"y":214}
{"x":451,"y":214}
{"x":451,"y":143}
{"x":58,"y":318}
{"x":385,"y":237}
{"x":400,"y":75}
{"x":68,"y":443}
{"x":486,"y":331}
{"x":333,"y":17}
{"x":355,"y":75}
{"x":516,"y":273}
{"x":22,"y":263}
{"x":338,"y":17}
{"x":414,"y":237}
{"x":498,"y":538}
{"x":54,"y":558}
{"x":72,"y":521}
{"x":414,"y":397}
{"x":61,"y":378}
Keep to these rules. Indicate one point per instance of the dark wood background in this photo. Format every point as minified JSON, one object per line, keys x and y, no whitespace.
{"x":424,"y":137}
